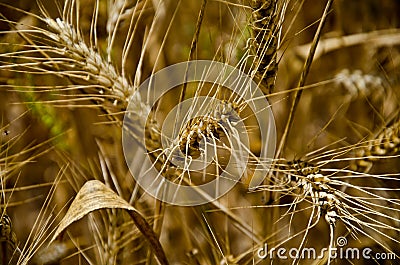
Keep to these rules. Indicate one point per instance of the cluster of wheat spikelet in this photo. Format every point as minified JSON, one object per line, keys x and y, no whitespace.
{"x":76,"y":66}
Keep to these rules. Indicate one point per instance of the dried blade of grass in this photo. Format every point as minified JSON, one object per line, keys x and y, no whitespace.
{"x":94,"y":195}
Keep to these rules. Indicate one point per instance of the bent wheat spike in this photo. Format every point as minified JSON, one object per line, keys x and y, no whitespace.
{"x":385,"y":144}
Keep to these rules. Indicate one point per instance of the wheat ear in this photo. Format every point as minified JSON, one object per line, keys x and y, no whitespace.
{"x":265,"y":35}
{"x":386,"y":144}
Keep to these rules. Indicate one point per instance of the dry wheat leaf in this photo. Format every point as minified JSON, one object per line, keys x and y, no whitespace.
{"x":94,"y":195}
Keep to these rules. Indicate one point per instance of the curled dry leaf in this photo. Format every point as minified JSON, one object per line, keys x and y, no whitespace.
{"x":94,"y":195}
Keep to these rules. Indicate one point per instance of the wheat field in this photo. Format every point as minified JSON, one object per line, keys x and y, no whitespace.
{"x":72,"y":187}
